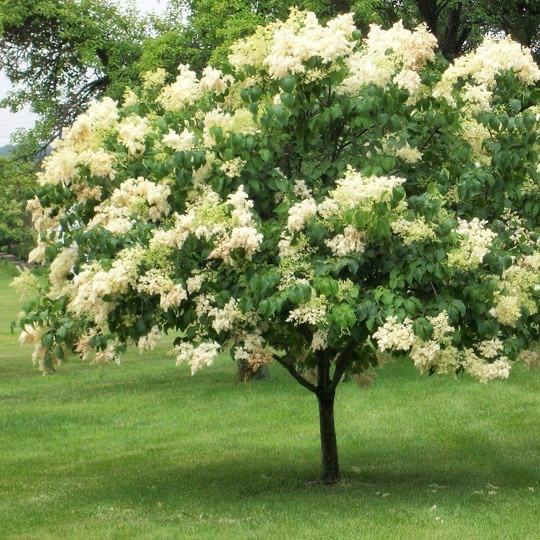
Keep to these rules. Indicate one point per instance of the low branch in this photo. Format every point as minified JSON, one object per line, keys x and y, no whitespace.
{"x":342,"y":362}
{"x":433,"y":132}
{"x":304,"y":382}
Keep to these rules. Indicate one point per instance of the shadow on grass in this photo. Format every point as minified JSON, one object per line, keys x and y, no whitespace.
{"x":274,"y":473}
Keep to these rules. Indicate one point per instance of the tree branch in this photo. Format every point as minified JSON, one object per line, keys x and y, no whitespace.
{"x":431,"y":135}
{"x":342,"y":362}
{"x":290,"y":368}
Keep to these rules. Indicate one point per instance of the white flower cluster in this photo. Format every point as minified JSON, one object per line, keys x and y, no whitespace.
{"x":417,"y":230}
{"x":285,"y":47}
{"x":442,"y":329}
{"x":239,"y":231}
{"x":475,"y":242}
{"x":194,"y":283}
{"x":59,"y":167}
{"x":130,"y":97}
{"x":313,"y":312}
{"x":301,"y":38}
{"x":518,"y":291}
{"x":37,"y":255}
{"x":476,"y":134}
{"x":226,"y":317}
{"x":109,"y":354}
{"x":81,"y":146}
{"x":31,"y":335}
{"x":241,"y":121}
{"x":481,"y":67}
{"x":408,"y":154}
{"x":42,"y":219}
{"x":89,"y":127}
{"x":60,"y":269}
{"x":233,"y":167}
{"x":394,"y":335}
{"x":357,"y":191}
{"x":149,"y":342}
{"x":154,"y":79}
{"x":213,"y":80}
{"x":517,"y":227}
{"x":196,"y":356}
{"x":507,"y":310}
{"x":437,"y":353}
{"x":300,"y":188}
{"x":300,"y":213}
{"x":173,"y":298}
{"x":247,"y":239}
{"x":394,"y":55}
{"x":490,"y":348}
{"x":424,"y":353}
{"x":83,"y":345}
{"x":187,"y":89}
{"x":25,"y":283}
{"x":484,"y":371}
{"x":184,"y":91}
{"x":156,"y":282}
{"x":351,"y":241}
{"x":93,"y":284}
{"x":295,"y":263}
{"x":531,"y":357}
{"x":179,"y":142}
{"x":252,"y":50}
{"x":132,"y":132}
{"x":133,"y":198}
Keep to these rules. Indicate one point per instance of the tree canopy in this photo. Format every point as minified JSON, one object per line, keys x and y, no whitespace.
{"x":324,"y":203}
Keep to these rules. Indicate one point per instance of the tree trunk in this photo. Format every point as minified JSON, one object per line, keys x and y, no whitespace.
{"x":329,"y":452}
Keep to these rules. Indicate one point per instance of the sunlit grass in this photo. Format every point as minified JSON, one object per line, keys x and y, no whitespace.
{"x":146,"y":450}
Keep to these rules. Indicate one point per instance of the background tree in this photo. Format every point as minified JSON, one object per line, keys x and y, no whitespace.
{"x":17,"y":185}
{"x":327,"y":202}
{"x":60,"y":54}
{"x":462,"y":24}
{"x":459,"y":25}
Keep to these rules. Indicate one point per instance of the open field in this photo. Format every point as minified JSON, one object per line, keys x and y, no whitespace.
{"x":144,"y":450}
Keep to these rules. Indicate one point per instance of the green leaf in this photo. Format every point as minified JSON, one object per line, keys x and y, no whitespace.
{"x":515,"y":105}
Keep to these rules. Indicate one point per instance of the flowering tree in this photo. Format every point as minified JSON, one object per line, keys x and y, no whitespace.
{"x":328,"y":202}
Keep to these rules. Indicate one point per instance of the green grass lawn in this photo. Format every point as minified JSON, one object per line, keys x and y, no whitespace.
{"x":145,"y":450}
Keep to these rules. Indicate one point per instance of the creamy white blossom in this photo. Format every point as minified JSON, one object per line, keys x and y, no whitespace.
{"x":196,"y":356}
{"x":394,"y":335}
{"x":475,"y":242}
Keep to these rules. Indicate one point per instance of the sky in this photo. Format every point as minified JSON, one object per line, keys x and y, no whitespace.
{"x":24,"y":119}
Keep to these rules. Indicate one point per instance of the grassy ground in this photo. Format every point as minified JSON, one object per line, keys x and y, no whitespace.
{"x":144,"y":450}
